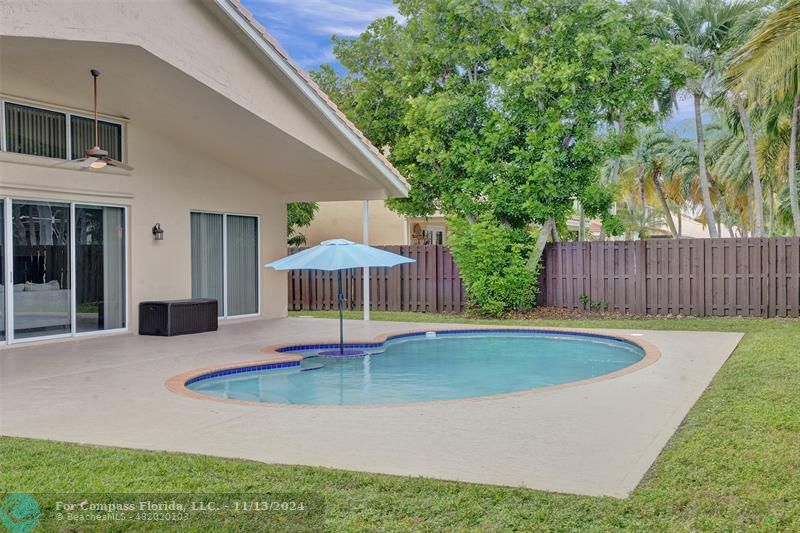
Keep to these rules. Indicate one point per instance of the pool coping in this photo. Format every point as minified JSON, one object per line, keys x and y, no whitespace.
{"x":177,"y":383}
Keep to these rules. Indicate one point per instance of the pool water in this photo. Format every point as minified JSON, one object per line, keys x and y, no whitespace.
{"x":424,"y":368}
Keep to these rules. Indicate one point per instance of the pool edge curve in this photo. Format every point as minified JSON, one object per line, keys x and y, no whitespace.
{"x":178,"y":383}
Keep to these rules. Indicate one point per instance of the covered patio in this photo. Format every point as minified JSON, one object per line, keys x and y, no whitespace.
{"x":595,"y":439}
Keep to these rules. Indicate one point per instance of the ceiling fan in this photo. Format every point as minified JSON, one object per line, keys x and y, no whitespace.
{"x":96,"y":157}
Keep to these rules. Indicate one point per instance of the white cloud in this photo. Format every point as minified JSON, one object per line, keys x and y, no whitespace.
{"x":304,"y":27}
{"x":354,"y":11}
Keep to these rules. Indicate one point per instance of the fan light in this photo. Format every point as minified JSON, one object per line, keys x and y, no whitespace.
{"x":98,"y":164}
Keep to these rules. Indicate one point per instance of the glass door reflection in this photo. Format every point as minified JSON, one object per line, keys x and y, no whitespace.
{"x":99,"y":268}
{"x":2,"y":270}
{"x":41,"y":273}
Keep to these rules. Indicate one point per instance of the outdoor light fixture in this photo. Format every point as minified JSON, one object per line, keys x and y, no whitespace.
{"x":158,"y":233}
{"x":98,"y":164}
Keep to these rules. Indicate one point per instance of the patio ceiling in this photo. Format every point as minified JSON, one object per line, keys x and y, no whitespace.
{"x":162,"y":100}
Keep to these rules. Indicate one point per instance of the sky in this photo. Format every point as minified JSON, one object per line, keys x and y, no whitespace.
{"x":304,"y":29}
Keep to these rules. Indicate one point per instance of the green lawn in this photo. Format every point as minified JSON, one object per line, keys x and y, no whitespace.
{"x":733,"y":465}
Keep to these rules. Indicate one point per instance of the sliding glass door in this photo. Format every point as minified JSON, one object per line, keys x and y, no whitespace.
{"x":242,"y":247}
{"x":225,"y":259}
{"x":99,"y":268}
{"x":41,"y":268}
{"x":62,"y":269}
{"x":3,"y":280}
{"x":208,"y":258}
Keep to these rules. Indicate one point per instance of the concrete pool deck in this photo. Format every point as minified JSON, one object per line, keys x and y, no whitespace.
{"x":596,"y":439}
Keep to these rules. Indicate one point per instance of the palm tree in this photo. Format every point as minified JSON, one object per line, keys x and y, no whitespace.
{"x":643,"y":176}
{"x":768,"y":65}
{"x":729,"y":171}
{"x":752,"y":157}
{"x":637,"y":218}
{"x":706,"y":29}
{"x":773,"y":156}
{"x":682,"y":182}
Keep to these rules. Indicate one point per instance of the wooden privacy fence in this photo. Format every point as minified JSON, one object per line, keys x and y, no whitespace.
{"x":701,"y":277}
{"x":432,"y":284}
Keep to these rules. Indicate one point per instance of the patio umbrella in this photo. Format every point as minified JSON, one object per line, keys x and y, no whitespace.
{"x":338,"y":255}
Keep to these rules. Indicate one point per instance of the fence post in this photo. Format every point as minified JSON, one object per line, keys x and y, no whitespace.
{"x":434,"y":277}
{"x":641,"y":277}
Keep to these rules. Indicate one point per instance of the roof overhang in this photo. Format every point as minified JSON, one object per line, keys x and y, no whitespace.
{"x":308,"y":90}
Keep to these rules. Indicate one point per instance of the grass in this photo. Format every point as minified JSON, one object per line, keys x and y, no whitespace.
{"x":733,"y":465}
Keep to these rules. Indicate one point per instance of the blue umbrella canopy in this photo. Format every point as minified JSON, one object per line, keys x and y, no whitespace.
{"x":338,"y":254}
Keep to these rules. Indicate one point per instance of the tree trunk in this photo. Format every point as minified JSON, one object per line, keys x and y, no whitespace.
{"x":680,"y":222}
{"x":541,"y":241}
{"x":724,"y":217}
{"x":771,"y":208}
{"x":793,"y":165}
{"x":758,"y":195}
{"x":581,"y":223}
{"x":642,"y":177}
{"x":701,"y":163}
{"x":664,"y":206}
{"x":618,"y":160}
{"x":615,"y":164}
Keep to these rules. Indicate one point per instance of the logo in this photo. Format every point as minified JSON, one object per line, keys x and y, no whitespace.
{"x":19,"y":512}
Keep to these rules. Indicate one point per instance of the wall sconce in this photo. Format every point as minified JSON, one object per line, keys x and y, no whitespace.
{"x":158,"y":233}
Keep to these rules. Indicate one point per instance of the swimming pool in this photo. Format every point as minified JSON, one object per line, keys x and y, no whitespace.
{"x":424,"y":366}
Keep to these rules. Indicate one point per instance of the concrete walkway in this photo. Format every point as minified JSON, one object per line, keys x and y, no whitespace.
{"x":595,"y":439}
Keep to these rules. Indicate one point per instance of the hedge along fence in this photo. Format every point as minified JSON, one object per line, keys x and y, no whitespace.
{"x":432,"y":284}
{"x":701,"y":277}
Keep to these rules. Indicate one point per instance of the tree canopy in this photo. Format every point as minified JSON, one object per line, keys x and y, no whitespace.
{"x":501,"y":112}
{"x":486,"y":115}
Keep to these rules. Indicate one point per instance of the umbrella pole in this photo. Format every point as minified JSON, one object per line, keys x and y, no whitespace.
{"x":341,"y":315}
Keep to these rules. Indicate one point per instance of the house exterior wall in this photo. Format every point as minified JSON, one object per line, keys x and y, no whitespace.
{"x":343,"y":220}
{"x":168,"y":183}
{"x":210,"y":125}
{"x":230,"y":72}
{"x":188,"y":35}
{"x":386,"y":228}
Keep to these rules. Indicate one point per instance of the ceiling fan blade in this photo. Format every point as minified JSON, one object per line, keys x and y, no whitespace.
{"x":68,"y":162}
{"x":87,"y":161}
{"x":119,"y":164}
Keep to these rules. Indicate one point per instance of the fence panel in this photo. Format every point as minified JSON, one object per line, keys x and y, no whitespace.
{"x":701,"y":277}
{"x":431,"y":284}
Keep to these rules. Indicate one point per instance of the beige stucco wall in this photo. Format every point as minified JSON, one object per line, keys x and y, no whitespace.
{"x":235,"y":90}
{"x":166,"y":185}
{"x":344,"y":220}
{"x":210,"y":125}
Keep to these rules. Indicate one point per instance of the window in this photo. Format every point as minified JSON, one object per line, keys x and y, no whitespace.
{"x":82,"y":134}
{"x":225,"y":262}
{"x":34,"y":131}
{"x":434,"y":236}
{"x":49,"y":133}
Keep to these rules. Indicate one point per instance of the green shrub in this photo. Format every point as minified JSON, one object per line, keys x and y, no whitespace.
{"x":493,"y":260}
